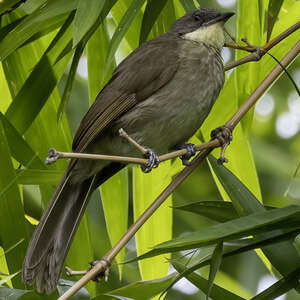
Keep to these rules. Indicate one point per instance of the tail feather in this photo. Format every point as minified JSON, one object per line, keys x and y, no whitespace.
{"x":52,"y":238}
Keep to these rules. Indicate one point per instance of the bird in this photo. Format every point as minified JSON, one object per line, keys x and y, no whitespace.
{"x":160,"y":95}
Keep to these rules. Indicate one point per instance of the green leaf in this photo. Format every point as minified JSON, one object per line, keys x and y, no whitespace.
{"x":215,"y":264}
{"x":151,"y":13}
{"x":40,"y":82}
{"x":279,"y":288}
{"x":273,"y":11}
{"x":220,"y":211}
{"x":143,"y":290}
{"x":114,"y":196}
{"x":146,"y":187}
{"x":121,"y":30}
{"x":188,"y":5}
{"x":245,"y":203}
{"x":12,"y":294}
{"x":7,"y":5}
{"x":64,"y":285}
{"x":238,"y":228}
{"x":38,"y":177}
{"x":87,"y":14}
{"x":47,"y":15}
{"x":11,"y":210}
{"x":96,"y":52}
{"x":217,"y":292}
{"x":71,"y":76}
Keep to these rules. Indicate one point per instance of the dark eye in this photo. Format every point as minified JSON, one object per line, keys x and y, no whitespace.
{"x":197,"y":18}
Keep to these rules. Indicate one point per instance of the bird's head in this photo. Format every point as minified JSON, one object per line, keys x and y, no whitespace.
{"x":203,"y":25}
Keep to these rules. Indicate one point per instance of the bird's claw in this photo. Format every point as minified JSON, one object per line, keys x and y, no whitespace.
{"x":104,"y":273}
{"x":191,"y":151}
{"x":52,"y":157}
{"x":224,"y":135}
{"x":153,"y":161}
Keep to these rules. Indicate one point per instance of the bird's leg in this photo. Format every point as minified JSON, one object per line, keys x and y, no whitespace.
{"x":153,"y":161}
{"x":191,"y":151}
{"x":224,"y":135}
{"x":104,"y":273}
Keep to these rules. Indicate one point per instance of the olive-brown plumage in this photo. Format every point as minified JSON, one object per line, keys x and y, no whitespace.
{"x":160,"y":94}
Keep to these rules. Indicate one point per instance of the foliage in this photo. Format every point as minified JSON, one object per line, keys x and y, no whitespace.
{"x":42,"y":44}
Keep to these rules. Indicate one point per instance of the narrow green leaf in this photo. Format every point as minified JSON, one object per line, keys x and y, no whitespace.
{"x":47,"y":15}
{"x":11,"y":294}
{"x":87,"y":14}
{"x":40,"y":82}
{"x":214,"y":267}
{"x":273,"y":11}
{"x":297,"y":243}
{"x":233,"y":248}
{"x":11,"y":210}
{"x":38,"y":177}
{"x":96,"y":52}
{"x":217,"y":292}
{"x":64,"y":285}
{"x":114,"y":196}
{"x":121,"y":30}
{"x":238,"y":228}
{"x":220,"y":211}
{"x":279,"y":288}
{"x":71,"y":76}
{"x":245,"y":203}
{"x":146,"y":187}
{"x":143,"y":290}
{"x":188,"y":5}
{"x":8,"y":278}
{"x":20,"y":150}
{"x":7,"y":5}
{"x":151,"y":13}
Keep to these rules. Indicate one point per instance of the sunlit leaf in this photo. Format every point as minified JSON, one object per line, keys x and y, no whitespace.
{"x":87,"y":14}
{"x":273,"y":11}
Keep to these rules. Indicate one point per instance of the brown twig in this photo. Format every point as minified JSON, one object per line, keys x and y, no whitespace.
{"x":100,"y":266}
{"x":258,"y":52}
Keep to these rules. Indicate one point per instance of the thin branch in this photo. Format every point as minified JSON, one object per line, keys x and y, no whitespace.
{"x":100,"y":266}
{"x":259,"y":52}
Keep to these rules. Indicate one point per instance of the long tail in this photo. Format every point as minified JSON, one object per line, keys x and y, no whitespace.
{"x":52,"y":238}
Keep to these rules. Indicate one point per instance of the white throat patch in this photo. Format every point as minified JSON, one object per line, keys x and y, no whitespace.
{"x":212,"y":35}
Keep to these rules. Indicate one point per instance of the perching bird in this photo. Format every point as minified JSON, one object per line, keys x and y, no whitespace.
{"x":160,"y":94}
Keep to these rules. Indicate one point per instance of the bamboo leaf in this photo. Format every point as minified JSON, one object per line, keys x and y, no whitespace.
{"x":86,"y":15}
{"x":114,"y":196}
{"x":273,"y":11}
{"x":217,"y":292}
{"x":121,"y":30}
{"x":40,"y":82}
{"x":38,"y":177}
{"x":12,"y":294}
{"x":245,"y":203}
{"x":220,"y":211}
{"x":188,"y":5}
{"x":146,"y":187}
{"x":11,"y":210}
{"x":238,"y":228}
{"x":151,"y":13}
{"x":64,"y":285}
{"x":143,"y":289}
{"x":216,"y":260}
{"x":47,"y":15}
{"x":71,"y":76}
{"x":279,"y":288}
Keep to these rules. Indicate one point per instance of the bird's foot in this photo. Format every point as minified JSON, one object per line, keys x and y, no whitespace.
{"x":153,"y":161}
{"x":224,"y":135}
{"x":52,"y":157}
{"x":104,"y":274}
{"x":191,"y":151}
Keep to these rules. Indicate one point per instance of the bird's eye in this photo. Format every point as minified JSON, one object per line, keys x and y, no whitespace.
{"x":197,"y":18}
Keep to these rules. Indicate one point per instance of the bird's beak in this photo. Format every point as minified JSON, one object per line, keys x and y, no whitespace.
{"x":221,"y":18}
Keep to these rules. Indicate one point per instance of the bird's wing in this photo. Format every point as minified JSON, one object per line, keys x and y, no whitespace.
{"x":142,"y":73}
